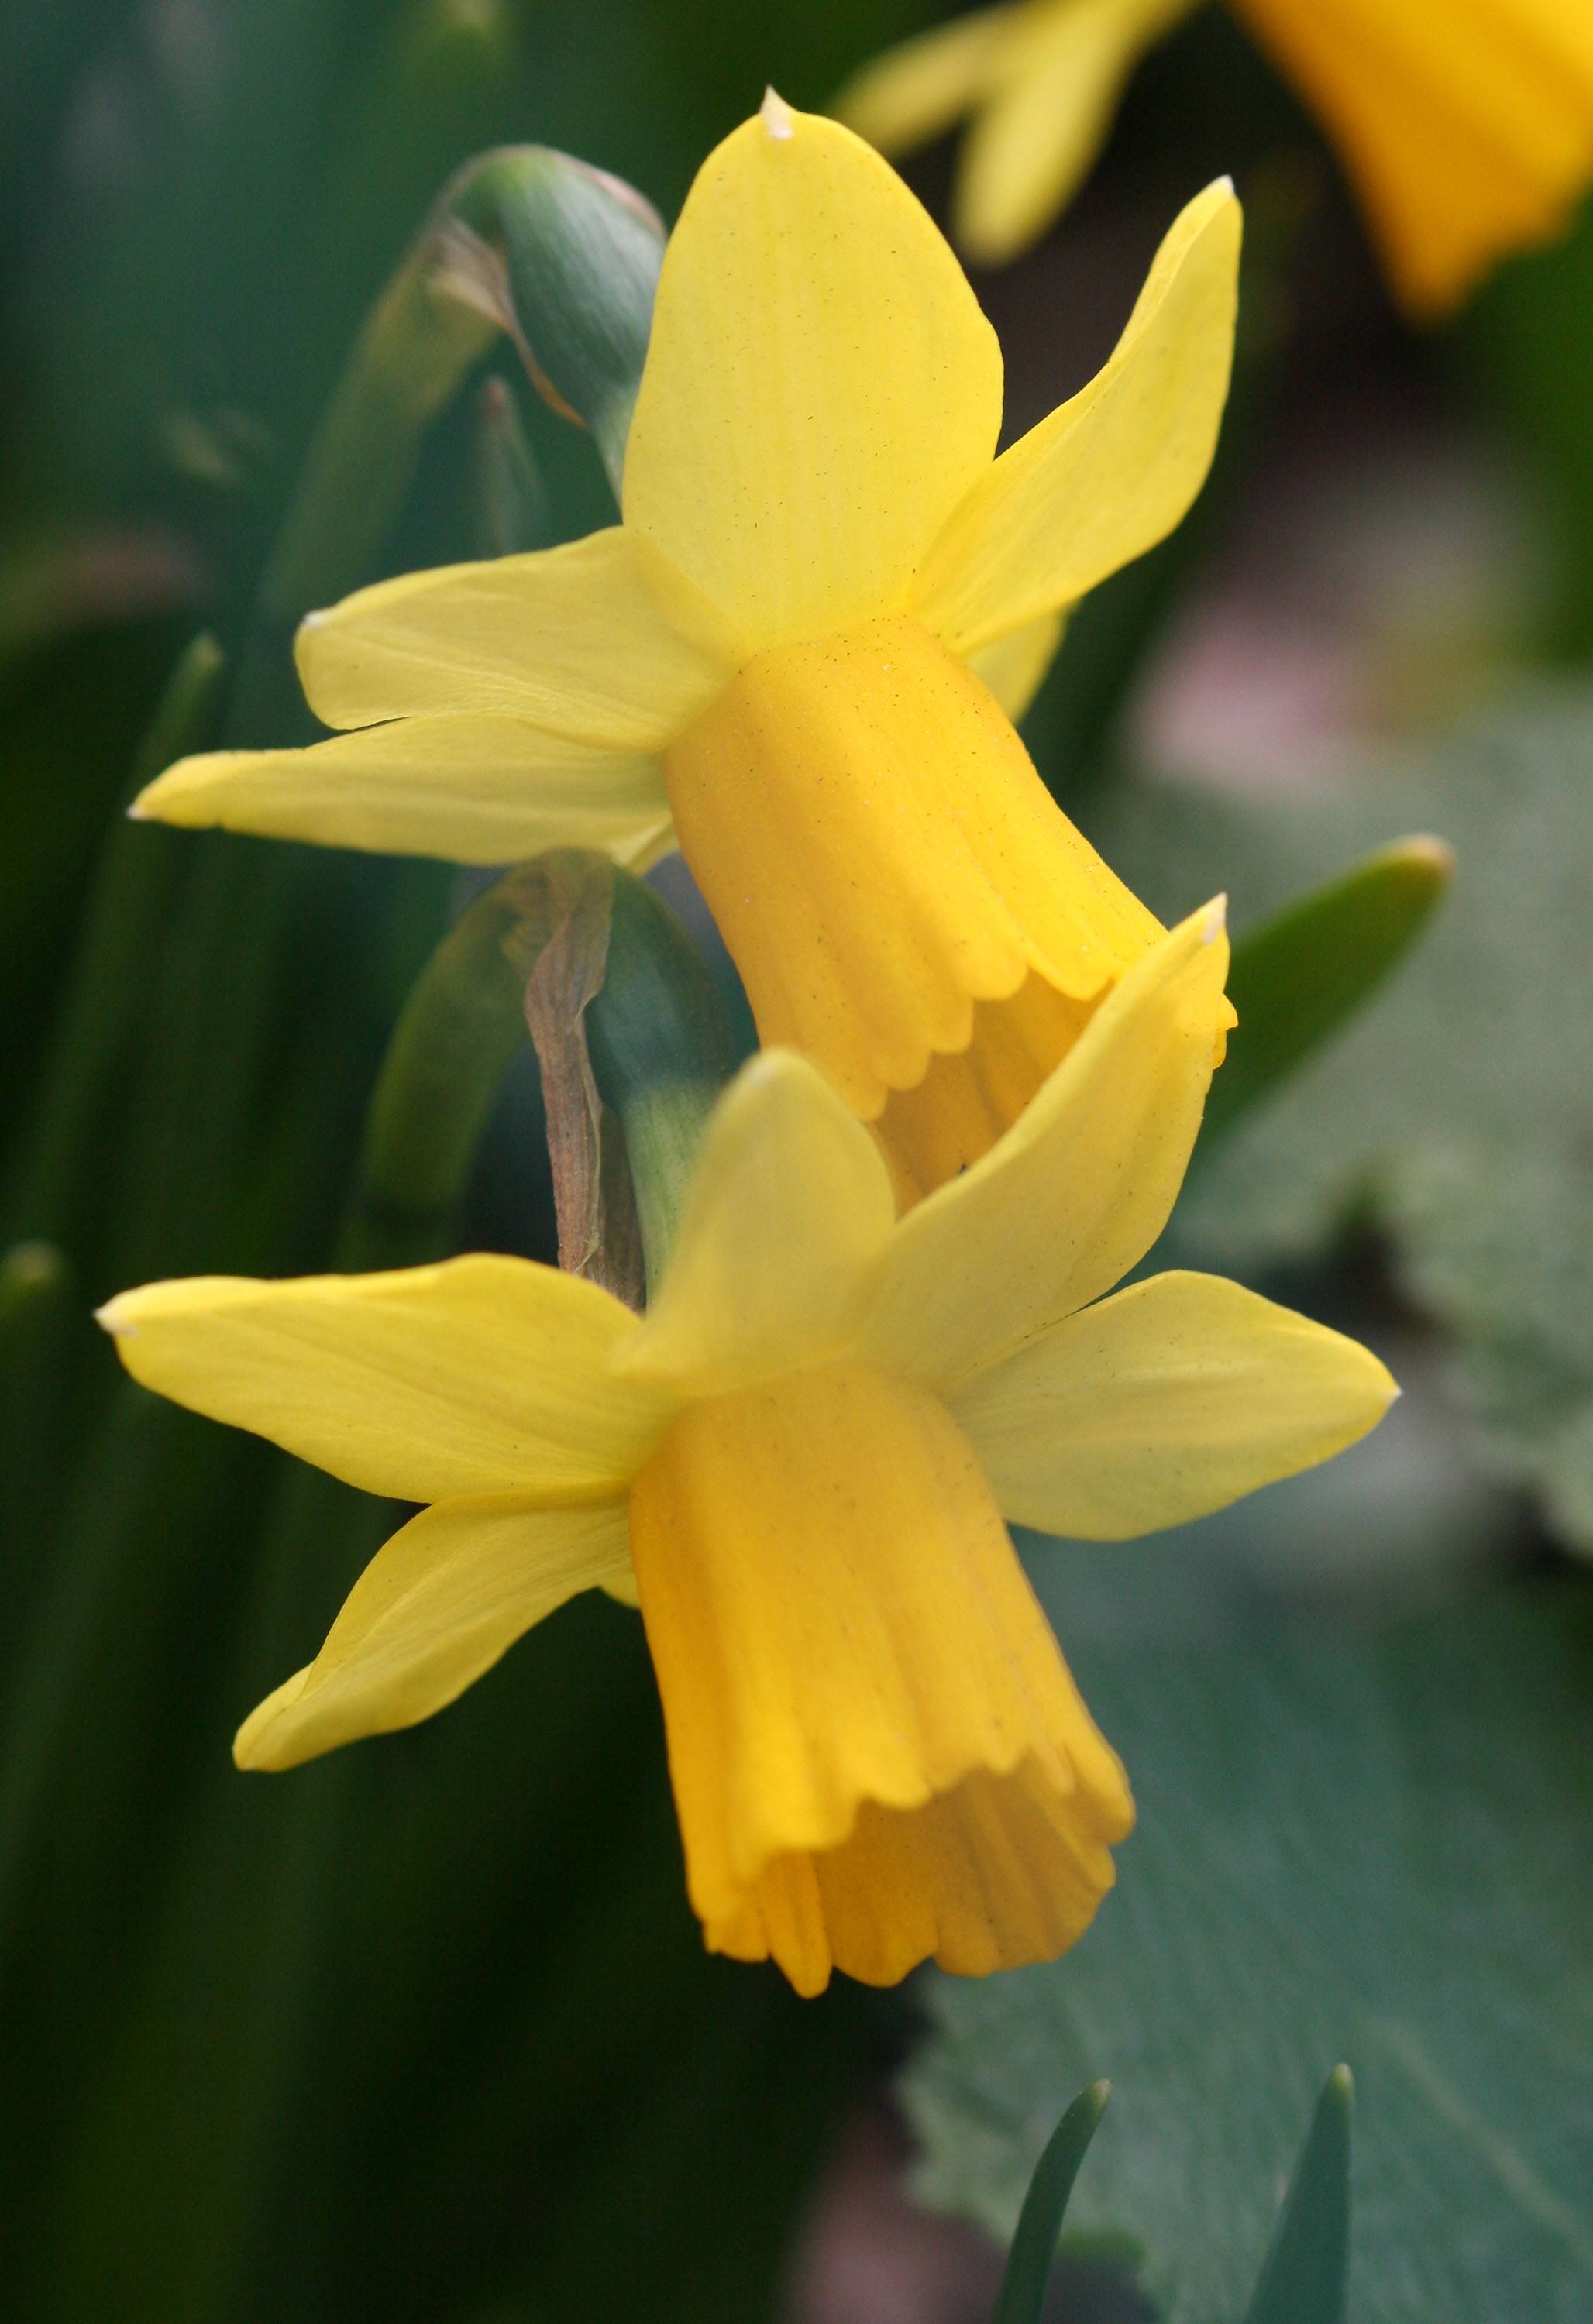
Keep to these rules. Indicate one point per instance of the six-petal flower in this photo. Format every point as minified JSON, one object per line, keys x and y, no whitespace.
{"x":785,"y":653}
{"x":798,"y":1464}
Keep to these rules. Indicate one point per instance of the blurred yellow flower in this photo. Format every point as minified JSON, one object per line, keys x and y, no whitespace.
{"x":803,"y":649}
{"x":1466,"y":125}
{"x":798,"y":1463}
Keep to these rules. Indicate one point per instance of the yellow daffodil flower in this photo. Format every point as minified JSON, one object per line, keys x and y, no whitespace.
{"x":1466,"y":125}
{"x":803,"y":649}
{"x":798,"y":1464}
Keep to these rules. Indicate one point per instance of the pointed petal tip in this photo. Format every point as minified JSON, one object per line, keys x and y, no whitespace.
{"x":136,"y":811}
{"x":1427,"y":849}
{"x":777,"y":117}
{"x":248,"y":1758}
{"x":112,"y":1316}
{"x":1216,"y":919}
{"x":251,"y":1754}
{"x":776,"y":1068}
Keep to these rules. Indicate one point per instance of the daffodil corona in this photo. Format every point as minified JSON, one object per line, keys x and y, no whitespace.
{"x":803,"y":649}
{"x":1466,"y":125}
{"x":798,"y":1464}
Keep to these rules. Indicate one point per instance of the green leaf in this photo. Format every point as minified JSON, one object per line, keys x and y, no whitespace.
{"x":1021,"y":2299}
{"x":1307,"y":2268}
{"x":1371,"y":1848}
{"x":1456,"y":1115}
{"x":662,"y":1049}
{"x":1303,"y":972}
{"x":125,"y":917}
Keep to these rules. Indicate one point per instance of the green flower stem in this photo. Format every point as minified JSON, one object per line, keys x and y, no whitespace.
{"x":139,"y":872}
{"x":511,"y":508}
{"x":662,"y":1051}
{"x":561,"y":259}
{"x":38,"y":1312}
{"x":412,"y":357}
{"x":461,"y":1028}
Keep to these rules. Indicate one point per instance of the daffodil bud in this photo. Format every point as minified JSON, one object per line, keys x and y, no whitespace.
{"x":580,"y":253}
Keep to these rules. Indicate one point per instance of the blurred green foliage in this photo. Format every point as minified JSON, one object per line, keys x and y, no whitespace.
{"x":1368,"y":1848}
{"x":1456,"y":1118}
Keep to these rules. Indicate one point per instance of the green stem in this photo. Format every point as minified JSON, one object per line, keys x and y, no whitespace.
{"x":125,"y":917}
{"x":662,"y":1051}
{"x":460,"y":1030}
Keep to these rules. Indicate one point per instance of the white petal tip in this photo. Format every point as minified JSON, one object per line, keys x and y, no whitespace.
{"x":138,"y":812}
{"x":1424,"y":847}
{"x":113,"y":1318}
{"x":1223,"y":185}
{"x":776,"y":116}
{"x":313,"y":622}
{"x":1217,"y":919}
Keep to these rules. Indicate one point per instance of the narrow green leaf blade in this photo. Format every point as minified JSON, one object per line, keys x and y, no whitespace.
{"x":1040,"y":2223}
{"x":1304,"y":2276}
{"x":1305,"y":972}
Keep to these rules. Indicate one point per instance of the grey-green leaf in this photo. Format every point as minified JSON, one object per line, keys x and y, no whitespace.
{"x":1021,"y":2299}
{"x":1306,"y":2271}
{"x":1456,"y":1114}
{"x":1372,"y":1848}
{"x":1303,"y":972}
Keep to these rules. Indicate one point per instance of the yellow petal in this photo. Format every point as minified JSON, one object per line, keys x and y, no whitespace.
{"x":920,"y":88}
{"x":820,"y":388}
{"x":876,"y":1750}
{"x":1015,"y":666}
{"x":1077,"y":1191}
{"x":1171,"y":1399}
{"x":432,"y":1610}
{"x":597,"y":642}
{"x":1467,"y":124}
{"x":482,"y":1374}
{"x":1048,"y":102}
{"x":470,"y":789}
{"x":789,"y":1204}
{"x":879,"y":854}
{"x":1111,"y":472}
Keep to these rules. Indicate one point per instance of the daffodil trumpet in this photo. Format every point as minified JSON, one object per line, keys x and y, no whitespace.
{"x":799,"y":1463}
{"x":802,"y":651}
{"x":1465,"y":125}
